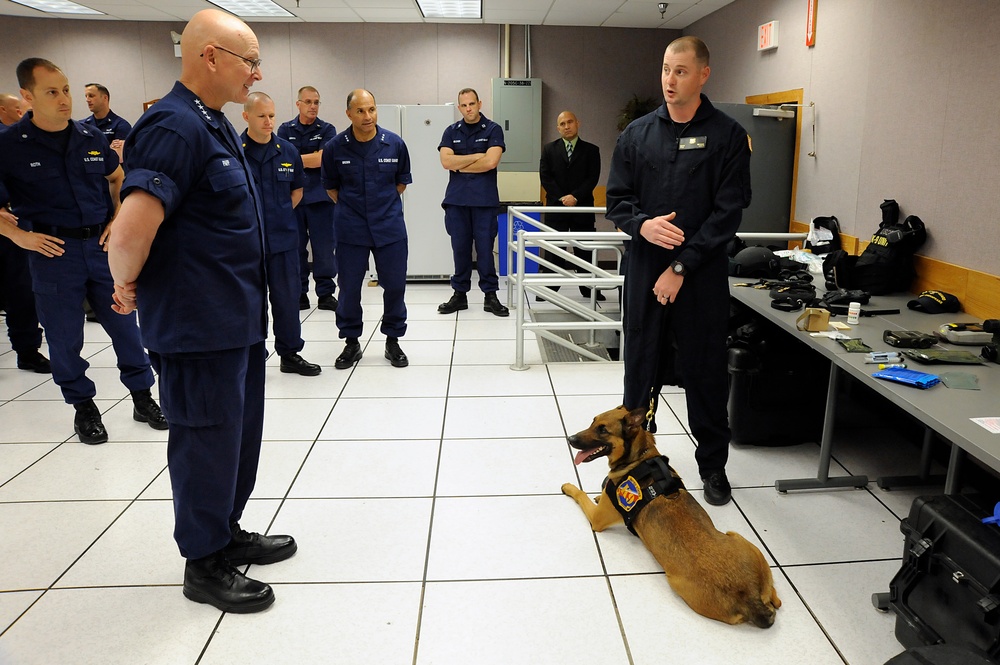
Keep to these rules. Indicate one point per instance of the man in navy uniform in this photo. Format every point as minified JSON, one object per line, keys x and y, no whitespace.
{"x":16,"y":298}
{"x":114,"y":127}
{"x":680,"y":179}
{"x":188,"y":251}
{"x":57,"y":173}
{"x":365,"y":170}
{"x":309,"y":134}
{"x":471,"y":149}
{"x":277,"y":170}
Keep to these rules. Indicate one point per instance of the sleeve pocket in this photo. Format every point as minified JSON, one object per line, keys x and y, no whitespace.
{"x":226,"y":174}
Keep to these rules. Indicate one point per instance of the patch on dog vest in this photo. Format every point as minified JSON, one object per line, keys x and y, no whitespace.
{"x":629,"y":494}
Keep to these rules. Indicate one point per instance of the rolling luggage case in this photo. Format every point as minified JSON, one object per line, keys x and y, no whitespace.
{"x":948,"y":588}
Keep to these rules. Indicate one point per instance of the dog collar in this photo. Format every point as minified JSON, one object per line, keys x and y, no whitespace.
{"x":648,"y":480}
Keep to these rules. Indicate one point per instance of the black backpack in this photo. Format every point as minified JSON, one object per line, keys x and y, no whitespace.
{"x":886,"y":265}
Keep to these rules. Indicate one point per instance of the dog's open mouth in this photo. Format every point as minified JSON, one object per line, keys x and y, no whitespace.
{"x":590,"y":454}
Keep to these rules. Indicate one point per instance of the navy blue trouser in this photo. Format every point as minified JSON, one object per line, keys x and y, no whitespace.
{"x":471,"y":226}
{"x":214,"y":402}
{"x":60,"y":285}
{"x":390,"y":264}
{"x":283,"y":293}
{"x":316,"y":228}
{"x":18,"y":301}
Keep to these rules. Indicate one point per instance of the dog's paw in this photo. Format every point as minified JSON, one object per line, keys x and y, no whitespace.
{"x":568,"y":489}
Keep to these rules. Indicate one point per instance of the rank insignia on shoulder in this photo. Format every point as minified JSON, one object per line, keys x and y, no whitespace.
{"x":628,"y":493}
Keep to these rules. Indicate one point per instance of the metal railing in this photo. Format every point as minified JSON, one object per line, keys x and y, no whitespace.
{"x":559,"y":244}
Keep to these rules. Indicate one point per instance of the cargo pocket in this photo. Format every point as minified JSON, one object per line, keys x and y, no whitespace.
{"x":188,"y":396}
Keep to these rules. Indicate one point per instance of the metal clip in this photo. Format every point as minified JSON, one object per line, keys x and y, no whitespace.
{"x":958,"y":576}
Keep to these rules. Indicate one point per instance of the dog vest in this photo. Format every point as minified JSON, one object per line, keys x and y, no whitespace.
{"x":650,"y":479}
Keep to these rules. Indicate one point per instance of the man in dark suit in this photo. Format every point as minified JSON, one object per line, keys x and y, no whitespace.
{"x":569,"y":170}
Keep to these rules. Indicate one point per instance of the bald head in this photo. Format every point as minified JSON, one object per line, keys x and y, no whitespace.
{"x":569,"y":127}
{"x":10,"y":108}
{"x":217,"y":55}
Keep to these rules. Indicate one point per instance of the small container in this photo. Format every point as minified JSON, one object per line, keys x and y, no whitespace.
{"x":854,"y":312}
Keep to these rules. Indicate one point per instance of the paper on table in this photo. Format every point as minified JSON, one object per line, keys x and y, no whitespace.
{"x":989,"y":424}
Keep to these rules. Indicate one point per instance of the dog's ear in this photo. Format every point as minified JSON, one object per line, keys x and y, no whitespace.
{"x":635,"y":420}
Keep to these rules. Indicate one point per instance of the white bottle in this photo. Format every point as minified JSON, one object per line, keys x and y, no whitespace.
{"x":854,"y":313}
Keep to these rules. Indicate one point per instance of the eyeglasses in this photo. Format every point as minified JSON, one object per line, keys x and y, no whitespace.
{"x":254,"y":64}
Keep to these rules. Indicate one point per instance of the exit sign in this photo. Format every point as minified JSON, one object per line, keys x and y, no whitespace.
{"x":767,"y":36}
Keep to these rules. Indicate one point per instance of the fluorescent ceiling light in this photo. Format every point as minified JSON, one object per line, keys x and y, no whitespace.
{"x":57,"y":7}
{"x":451,"y":8}
{"x":252,"y":7}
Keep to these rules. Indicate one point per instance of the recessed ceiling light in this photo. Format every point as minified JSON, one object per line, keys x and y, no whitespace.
{"x":252,"y":7}
{"x":57,"y":7}
{"x":451,"y":8}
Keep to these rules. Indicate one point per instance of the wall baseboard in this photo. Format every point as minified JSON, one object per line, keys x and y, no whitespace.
{"x":977,"y":291}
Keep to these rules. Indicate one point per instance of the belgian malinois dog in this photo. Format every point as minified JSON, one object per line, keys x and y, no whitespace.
{"x":719,"y":575}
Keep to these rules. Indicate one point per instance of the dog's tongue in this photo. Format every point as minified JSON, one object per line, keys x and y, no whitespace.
{"x":581,"y":457}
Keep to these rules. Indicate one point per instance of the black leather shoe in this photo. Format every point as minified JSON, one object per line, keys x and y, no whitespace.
{"x":33,"y":361}
{"x":304,"y":302}
{"x":350,"y":355}
{"x":718,"y":491}
{"x":493,"y":304}
{"x":585,"y":292}
{"x":246,"y":547}
{"x":215,"y":581}
{"x":457,"y":301}
{"x":88,"y":425}
{"x":328,"y":303}
{"x":296,"y":364}
{"x":146,"y":410}
{"x":395,"y":355}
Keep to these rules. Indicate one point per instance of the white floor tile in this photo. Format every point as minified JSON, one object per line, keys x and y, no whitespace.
{"x":295,"y":419}
{"x":16,"y":457}
{"x":494,"y":352}
{"x":12,"y":605}
{"x":590,"y":378}
{"x":352,"y":540}
{"x":333,"y":624}
{"x":42,"y":540}
{"x":396,"y":469}
{"x":796,"y":525}
{"x":280,"y":462}
{"x":569,"y":621}
{"x":761,"y":466}
{"x":388,"y":381}
{"x":510,"y":537}
{"x":840,"y":597}
{"x":27,"y":421}
{"x":489,"y":380}
{"x":381,"y":419}
{"x":111,"y":626}
{"x":483,"y":467}
{"x":647,"y":605}
{"x":16,"y":383}
{"x":502,"y":417}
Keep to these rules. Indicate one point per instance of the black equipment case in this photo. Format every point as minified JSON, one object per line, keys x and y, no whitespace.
{"x":948,"y":588}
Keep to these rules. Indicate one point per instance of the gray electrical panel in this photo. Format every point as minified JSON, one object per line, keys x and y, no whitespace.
{"x":517,"y":107}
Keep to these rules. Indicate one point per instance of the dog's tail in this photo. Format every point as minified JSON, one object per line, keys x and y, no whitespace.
{"x":759,"y":613}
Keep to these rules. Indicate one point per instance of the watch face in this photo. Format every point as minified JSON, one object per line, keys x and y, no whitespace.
{"x":679,"y":268}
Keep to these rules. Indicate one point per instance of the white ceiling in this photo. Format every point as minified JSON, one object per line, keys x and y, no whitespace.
{"x":606,"y":13}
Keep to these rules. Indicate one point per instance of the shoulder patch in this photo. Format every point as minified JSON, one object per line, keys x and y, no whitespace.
{"x":629,"y":493}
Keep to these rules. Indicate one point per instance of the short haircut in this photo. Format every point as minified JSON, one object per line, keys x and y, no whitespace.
{"x":100,"y":88}
{"x":468,"y":90}
{"x":26,"y":71}
{"x":307,"y":88}
{"x":253,"y":98}
{"x":691,"y":43}
{"x":350,"y":97}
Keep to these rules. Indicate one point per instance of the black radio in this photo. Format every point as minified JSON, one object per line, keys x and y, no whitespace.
{"x":908,"y":339}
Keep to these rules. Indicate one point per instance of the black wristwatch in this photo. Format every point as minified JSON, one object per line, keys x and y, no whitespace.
{"x":678,"y":268}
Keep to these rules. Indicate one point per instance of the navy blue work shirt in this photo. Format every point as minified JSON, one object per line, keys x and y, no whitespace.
{"x":112,"y":126}
{"x":277,"y":174}
{"x":308,"y":139}
{"x":369,"y":210}
{"x":203,"y":286}
{"x":48,"y":185}
{"x":472,"y":189}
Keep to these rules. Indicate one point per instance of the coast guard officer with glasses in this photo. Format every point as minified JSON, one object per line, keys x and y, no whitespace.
{"x":188,"y":251}
{"x":57,"y":173}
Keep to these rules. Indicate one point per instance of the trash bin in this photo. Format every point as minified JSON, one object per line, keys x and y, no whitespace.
{"x":529,"y":265}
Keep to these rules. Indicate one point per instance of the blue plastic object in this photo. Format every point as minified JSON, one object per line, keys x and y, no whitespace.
{"x":996,"y":516}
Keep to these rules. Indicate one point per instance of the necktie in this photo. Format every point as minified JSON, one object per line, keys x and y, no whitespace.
{"x":569,"y":150}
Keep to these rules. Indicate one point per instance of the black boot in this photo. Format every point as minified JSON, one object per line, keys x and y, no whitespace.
{"x":247,"y":547}
{"x":457,"y":301}
{"x":88,"y":425}
{"x":492,"y":304}
{"x":146,"y":410}
{"x":394,"y":354}
{"x":351,"y":354}
{"x":33,"y":361}
{"x":214,"y":580}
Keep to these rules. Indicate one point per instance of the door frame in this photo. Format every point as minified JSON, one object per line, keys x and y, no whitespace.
{"x":786,"y":97}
